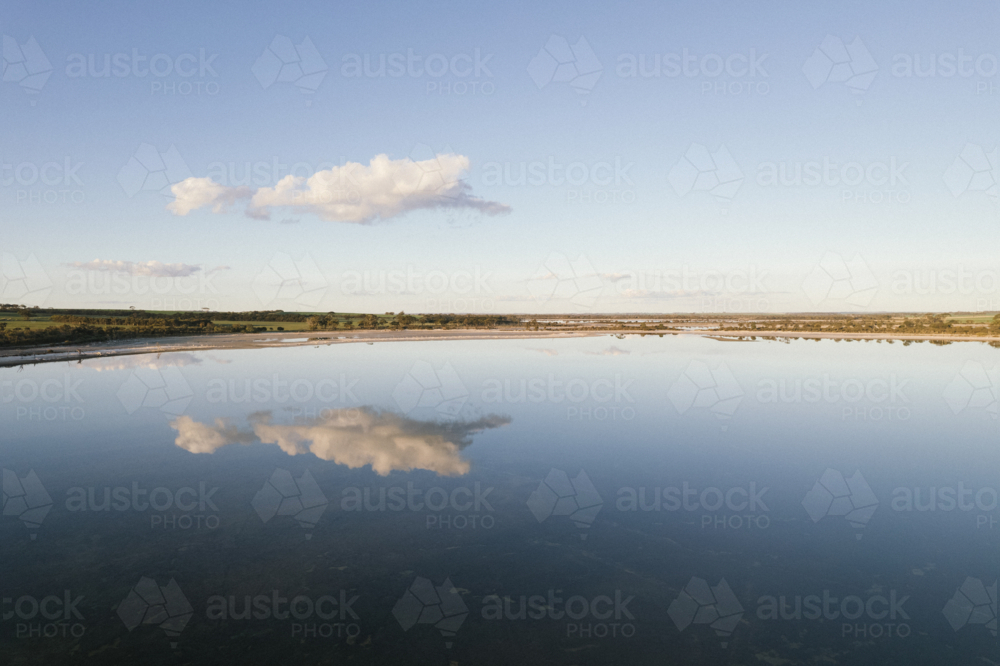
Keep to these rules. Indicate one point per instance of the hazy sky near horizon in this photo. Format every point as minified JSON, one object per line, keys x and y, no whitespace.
{"x":508,"y":157}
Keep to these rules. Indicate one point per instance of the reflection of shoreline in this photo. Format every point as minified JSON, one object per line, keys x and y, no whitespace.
{"x":352,"y":437}
{"x":51,"y":353}
{"x":147,"y":361}
{"x":844,"y":336}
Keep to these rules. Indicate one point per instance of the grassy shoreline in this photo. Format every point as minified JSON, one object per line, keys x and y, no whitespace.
{"x":66,"y":334}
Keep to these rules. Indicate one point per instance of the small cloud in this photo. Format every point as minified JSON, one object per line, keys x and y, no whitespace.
{"x":610,"y":351}
{"x":145,"y":268}
{"x":656,"y":295}
{"x":148,"y":361}
{"x":547,"y":352}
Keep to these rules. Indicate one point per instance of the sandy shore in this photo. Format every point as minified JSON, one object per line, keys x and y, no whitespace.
{"x":50,"y":354}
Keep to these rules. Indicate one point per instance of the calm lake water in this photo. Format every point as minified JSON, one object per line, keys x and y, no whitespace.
{"x":579,"y":501}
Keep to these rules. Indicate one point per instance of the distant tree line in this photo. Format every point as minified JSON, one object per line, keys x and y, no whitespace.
{"x":84,"y":332}
{"x":264,"y":315}
{"x":402,"y":321}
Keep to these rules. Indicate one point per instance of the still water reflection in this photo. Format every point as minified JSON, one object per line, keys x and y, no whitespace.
{"x":581,"y":501}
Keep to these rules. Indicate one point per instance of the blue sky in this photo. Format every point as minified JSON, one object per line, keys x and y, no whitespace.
{"x":914,"y":227}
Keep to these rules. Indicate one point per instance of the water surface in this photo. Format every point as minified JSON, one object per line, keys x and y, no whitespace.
{"x":571,"y":501}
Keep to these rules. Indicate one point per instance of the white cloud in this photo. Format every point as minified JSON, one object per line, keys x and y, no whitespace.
{"x":654,"y":295}
{"x":610,"y":351}
{"x":547,"y":352}
{"x":149,"y":361}
{"x":194,"y":193}
{"x":382,"y":190}
{"x":204,"y":438}
{"x":351,"y":437}
{"x":146,"y":268}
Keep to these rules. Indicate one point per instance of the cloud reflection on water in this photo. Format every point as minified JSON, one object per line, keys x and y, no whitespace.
{"x":353,"y":437}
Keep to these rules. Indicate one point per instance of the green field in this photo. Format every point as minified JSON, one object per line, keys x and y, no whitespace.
{"x":43,"y":320}
{"x":271,"y":325}
{"x":33,"y":324}
{"x":972,"y":319}
{"x":40,"y":322}
{"x":21,"y":327}
{"x":26,"y":327}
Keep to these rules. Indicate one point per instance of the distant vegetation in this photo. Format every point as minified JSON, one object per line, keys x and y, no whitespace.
{"x":21,"y":326}
{"x":930,"y":324}
{"x":402,"y":321}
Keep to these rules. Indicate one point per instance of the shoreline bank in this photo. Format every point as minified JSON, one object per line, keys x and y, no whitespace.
{"x":52,"y":354}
